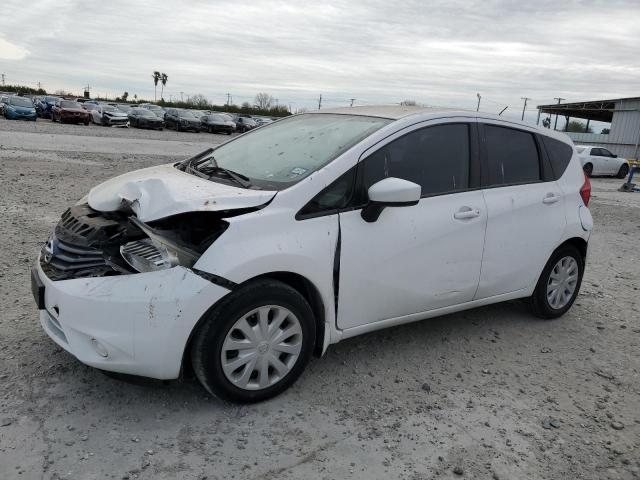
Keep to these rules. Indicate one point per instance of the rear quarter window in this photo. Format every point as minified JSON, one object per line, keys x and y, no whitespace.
{"x":559,"y":154}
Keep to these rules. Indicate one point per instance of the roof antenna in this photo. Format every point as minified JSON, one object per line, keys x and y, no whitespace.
{"x":503,"y":110}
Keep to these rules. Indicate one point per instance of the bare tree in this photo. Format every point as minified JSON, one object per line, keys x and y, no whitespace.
{"x":263,"y":101}
{"x":163,"y":79}
{"x":156,"y":77}
{"x":199,"y":101}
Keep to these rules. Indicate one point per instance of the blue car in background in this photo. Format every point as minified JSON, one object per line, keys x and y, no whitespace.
{"x":44,"y":105}
{"x":19,"y":108}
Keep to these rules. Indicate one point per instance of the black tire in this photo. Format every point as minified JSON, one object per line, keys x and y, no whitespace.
{"x":539,"y":301}
{"x":588,"y":169}
{"x":53,"y":118}
{"x":624,"y":171}
{"x":206,"y":347}
{"x":177,"y":127}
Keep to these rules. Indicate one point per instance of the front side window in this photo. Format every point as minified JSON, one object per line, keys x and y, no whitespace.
{"x":596,"y":152}
{"x":512,"y":156}
{"x":436,"y":158}
{"x":283,"y":153}
{"x":605,"y":152}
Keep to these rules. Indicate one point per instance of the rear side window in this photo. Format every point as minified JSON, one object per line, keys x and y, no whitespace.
{"x":436,"y":158}
{"x":512,"y":156}
{"x":559,"y":154}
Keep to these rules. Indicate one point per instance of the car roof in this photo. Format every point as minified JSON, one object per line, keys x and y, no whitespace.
{"x":398,"y":112}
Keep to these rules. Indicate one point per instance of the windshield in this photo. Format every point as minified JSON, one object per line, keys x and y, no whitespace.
{"x":20,"y":102}
{"x":143,"y":112}
{"x":186,"y":114}
{"x":69,"y":104}
{"x":108,"y":108}
{"x":281,"y":154}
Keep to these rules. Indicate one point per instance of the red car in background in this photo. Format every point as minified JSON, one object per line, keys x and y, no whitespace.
{"x":68,"y":111}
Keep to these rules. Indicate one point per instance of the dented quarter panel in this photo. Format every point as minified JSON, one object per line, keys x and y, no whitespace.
{"x":162,"y":191}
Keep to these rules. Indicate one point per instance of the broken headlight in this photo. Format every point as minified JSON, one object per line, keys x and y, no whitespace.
{"x":157,"y":252}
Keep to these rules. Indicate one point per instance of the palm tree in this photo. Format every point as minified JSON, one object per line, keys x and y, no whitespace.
{"x":156,"y":77}
{"x":163,"y":79}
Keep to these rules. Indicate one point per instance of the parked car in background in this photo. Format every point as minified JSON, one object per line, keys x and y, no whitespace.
{"x":109,"y":116}
{"x":240,"y":250}
{"x":3,"y":100}
{"x":260,"y":121}
{"x":123,"y":107}
{"x":600,"y":161}
{"x":217,"y":123}
{"x":143,"y":118}
{"x":19,"y":108}
{"x":244,"y":124}
{"x":156,"y":109}
{"x":69,"y":111}
{"x":181,"y":119}
{"x":45,"y":105}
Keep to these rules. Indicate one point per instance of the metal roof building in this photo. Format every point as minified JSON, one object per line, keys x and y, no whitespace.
{"x":623,"y":113}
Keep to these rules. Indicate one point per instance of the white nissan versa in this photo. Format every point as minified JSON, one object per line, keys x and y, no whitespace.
{"x":243,"y":261}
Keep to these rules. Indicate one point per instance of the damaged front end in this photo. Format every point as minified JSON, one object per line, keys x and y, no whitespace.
{"x":89,"y":243}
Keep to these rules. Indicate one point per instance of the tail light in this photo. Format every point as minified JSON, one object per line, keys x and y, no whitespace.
{"x":585,"y":191}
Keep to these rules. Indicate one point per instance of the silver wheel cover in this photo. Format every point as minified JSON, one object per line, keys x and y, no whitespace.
{"x":261,"y":347}
{"x":562,"y":282}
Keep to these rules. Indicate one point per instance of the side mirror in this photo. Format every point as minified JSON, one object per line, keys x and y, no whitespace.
{"x":614,"y":155}
{"x":390,"y":192}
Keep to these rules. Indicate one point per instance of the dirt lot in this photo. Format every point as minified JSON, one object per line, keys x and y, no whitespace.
{"x":491,"y":393}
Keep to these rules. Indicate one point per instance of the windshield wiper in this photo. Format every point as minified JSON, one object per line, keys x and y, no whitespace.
{"x":240,"y":179}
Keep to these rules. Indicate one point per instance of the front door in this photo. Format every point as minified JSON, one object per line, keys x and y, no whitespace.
{"x":422,"y":257}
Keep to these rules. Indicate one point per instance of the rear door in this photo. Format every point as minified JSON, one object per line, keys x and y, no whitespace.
{"x":422,"y":257}
{"x":526,"y":216}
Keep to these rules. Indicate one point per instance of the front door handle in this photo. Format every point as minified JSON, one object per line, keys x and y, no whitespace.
{"x":550,"y":198}
{"x":466,"y":212}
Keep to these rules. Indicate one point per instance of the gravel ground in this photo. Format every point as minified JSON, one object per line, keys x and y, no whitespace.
{"x":490,"y":393}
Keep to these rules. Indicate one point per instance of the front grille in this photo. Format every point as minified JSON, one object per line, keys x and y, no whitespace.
{"x":61,"y":260}
{"x":85,"y":243}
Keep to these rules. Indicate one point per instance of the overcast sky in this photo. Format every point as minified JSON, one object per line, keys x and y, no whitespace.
{"x":376,"y":51}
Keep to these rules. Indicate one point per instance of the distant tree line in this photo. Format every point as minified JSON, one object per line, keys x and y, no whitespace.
{"x":22,"y":90}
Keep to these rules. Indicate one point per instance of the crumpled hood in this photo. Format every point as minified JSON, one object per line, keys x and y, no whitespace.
{"x":115,"y":114}
{"x":159,"y":192}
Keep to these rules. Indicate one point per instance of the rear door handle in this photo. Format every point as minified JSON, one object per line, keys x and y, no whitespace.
{"x":466,"y":212}
{"x":550,"y":198}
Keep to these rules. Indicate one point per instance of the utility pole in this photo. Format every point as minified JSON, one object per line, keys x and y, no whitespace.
{"x":526,"y":99}
{"x":228,"y":99}
{"x":352,"y":100}
{"x":479,"y":97}
{"x":320,"y":102}
{"x":182,"y":96}
{"x":3,"y":79}
{"x":559,"y":100}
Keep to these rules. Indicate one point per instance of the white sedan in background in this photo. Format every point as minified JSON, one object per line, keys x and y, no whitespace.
{"x":600,"y":161}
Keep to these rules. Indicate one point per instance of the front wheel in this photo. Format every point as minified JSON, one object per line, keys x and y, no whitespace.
{"x":624,"y":170}
{"x":588,"y":169}
{"x":255,"y":344}
{"x":559,"y":283}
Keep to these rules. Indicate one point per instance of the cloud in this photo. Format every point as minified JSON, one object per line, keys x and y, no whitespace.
{"x":9,"y":51}
{"x":436,"y":52}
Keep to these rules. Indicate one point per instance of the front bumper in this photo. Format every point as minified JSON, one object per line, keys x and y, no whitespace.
{"x":13,"y":115}
{"x":117,"y":122}
{"x":137,"y":324}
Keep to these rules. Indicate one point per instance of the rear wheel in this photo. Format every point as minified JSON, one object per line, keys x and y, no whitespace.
{"x":255,"y":344}
{"x":559,"y":283}
{"x":588,"y":169}
{"x":624,"y":170}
